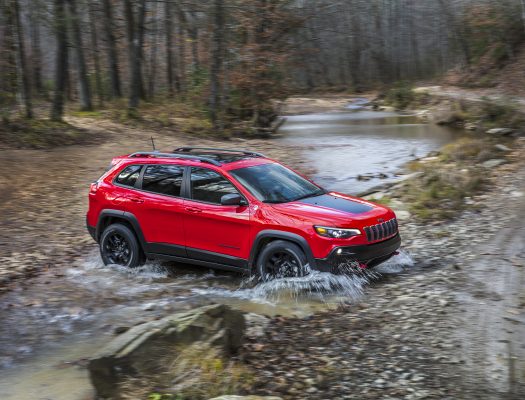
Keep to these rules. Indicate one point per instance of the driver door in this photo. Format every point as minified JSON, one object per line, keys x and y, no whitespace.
{"x":215,"y":232}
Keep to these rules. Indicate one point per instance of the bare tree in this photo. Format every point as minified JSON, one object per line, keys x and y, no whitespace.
{"x":36,"y":51}
{"x":95,"y":52}
{"x":111,"y":45}
{"x":168,"y":28}
{"x":83,"y":82}
{"x":60,"y":27}
{"x":22,"y":61}
{"x":136,"y":53}
{"x":216,"y":65}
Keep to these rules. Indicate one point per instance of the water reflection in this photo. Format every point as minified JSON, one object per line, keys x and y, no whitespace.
{"x":353,"y":152}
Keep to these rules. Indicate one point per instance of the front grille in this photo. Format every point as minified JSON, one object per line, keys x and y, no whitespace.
{"x":381,"y":231}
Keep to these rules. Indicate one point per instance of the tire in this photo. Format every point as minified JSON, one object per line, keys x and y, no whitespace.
{"x":119,"y":245}
{"x":281,"y":259}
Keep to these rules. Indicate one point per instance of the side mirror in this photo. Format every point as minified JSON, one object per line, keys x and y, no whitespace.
{"x":232,"y":199}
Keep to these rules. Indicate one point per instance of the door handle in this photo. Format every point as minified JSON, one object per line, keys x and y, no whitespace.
{"x":136,"y":199}
{"x":193,"y":210}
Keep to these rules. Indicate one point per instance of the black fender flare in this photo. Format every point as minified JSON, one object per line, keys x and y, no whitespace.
{"x":127,"y":216}
{"x":284,"y":235}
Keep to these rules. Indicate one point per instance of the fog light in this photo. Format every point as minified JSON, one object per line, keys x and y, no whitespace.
{"x":339,"y":251}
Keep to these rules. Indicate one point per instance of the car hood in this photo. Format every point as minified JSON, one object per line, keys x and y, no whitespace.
{"x":334,"y":208}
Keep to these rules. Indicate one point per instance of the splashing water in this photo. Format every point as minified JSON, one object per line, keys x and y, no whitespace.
{"x":322,"y":286}
{"x":397,"y":264}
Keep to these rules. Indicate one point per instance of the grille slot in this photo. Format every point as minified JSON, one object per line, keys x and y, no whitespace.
{"x":381,"y":231}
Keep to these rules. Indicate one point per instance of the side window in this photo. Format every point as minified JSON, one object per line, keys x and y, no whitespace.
{"x":163,"y":179}
{"x":209,"y":186}
{"x":129,"y":175}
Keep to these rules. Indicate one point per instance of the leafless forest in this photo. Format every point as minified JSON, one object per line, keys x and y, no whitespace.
{"x":231,"y":58}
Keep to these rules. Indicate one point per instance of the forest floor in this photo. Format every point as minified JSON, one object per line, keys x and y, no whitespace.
{"x":451,"y":327}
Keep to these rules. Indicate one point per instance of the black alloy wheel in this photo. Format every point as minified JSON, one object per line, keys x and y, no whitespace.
{"x":119,"y":246}
{"x":281,"y":259}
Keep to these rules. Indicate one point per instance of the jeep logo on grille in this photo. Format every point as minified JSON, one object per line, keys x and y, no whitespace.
{"x":380,"y":220}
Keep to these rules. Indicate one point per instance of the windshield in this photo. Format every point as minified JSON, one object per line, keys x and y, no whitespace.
{"x":273,"y":183}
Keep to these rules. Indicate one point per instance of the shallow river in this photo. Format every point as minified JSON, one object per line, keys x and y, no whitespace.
{"x":51,"y":328}
{"x":355,"y":151}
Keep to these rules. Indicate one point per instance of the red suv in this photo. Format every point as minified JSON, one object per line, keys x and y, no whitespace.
{"x":235,"y":210}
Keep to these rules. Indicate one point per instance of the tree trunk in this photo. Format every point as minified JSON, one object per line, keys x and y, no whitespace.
{"x":153,"y":53}
{"x":57,"y":110}
{"x":83,"y":82}
{"x":180,"y":77}
{"x":8,"y":68}
{"x":141,"y":18}
{"x":523,"y":12}
{"x":216,"y":66}
{"x":36,"y":52}
{"x":95,"y":53}
{"x":22,"y":61}
{"x":168,"y":26}
{"x":111,"y":44}
{"x":135,"y":83}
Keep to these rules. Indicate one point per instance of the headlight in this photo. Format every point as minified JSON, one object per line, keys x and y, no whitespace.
{"x":336,"y":233}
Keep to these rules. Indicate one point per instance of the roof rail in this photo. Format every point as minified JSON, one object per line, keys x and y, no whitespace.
{"x":188,"y":149}
{"x":156,"y":154}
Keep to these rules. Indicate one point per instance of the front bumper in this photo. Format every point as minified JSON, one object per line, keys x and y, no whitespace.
{"x":370,"y":254}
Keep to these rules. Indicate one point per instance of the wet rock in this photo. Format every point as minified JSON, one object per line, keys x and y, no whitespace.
{"x":471,"y":126}
{"x":255,"y":324}
{"x":500,"y":131}
{"x":129,"y":354}
{"x":502,"y":147}
{"x":121,"y":329}
{"x":493,"y":163}
{"x":403,"y":215}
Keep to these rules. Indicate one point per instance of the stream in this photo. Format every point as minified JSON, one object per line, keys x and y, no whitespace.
{"x":51,"y":328}
{"x":353,"y":152}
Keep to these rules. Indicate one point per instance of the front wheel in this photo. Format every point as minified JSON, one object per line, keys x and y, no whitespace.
{"x":281,"y":259}
{"x":119,"y":245}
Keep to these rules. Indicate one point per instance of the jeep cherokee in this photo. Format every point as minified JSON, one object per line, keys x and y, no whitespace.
{"x":234,"y":210}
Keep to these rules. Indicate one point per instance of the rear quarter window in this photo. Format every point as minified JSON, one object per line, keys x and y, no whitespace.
{"x":129,"y":176}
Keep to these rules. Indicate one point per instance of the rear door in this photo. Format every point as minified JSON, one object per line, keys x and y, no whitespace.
{"x":215,"y":232}
{"x":160,"y":208}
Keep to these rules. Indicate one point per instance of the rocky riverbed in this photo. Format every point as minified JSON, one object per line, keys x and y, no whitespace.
{"x":448,"y":324}
{"x":423,"y":334}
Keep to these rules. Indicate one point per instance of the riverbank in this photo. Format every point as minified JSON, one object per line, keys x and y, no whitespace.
{"x":422,"y":335}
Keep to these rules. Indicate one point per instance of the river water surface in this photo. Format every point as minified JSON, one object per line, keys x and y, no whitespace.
{"x":51,"y":328}
{"x":355,"y":151}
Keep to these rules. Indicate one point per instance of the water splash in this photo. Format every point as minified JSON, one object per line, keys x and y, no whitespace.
{"x":322,"y":286}
{"x":397,"y":264}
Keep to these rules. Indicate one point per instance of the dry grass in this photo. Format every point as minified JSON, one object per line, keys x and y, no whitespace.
{"x":197,"y":372}
{"x":440,"y":191}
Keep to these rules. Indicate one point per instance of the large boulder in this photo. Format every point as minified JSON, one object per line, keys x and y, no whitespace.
{"x":135,"y":351}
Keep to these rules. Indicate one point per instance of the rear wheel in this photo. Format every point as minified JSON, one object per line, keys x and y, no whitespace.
{"x":118,"y":245}
{"x":281,"y":259}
